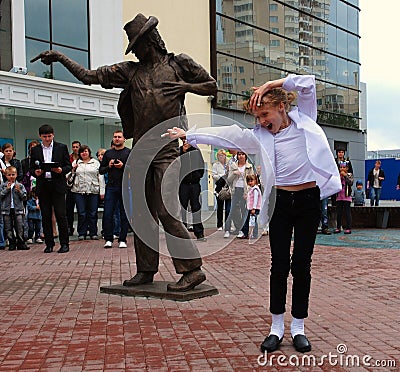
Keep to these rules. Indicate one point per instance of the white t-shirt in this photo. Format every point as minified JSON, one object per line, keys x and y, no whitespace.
{"x":12,"y":198}
{"x":240,"y":181}
{"x":292,"y":162}
{"x":376,"y":178}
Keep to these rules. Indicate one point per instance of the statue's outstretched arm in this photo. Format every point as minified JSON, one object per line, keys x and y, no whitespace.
{"x":81,"y":73}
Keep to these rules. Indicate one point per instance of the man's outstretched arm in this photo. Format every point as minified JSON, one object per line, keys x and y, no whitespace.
{"x":81,"y":73}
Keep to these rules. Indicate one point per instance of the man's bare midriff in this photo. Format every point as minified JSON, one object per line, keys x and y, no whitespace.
{"x":303,"y":186}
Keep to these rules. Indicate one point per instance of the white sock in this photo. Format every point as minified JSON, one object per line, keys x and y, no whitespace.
{"x":297,"y":327}
{"x":278,"y":325}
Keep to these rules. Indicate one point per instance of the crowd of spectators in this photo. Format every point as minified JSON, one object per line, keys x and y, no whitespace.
{"x":96,"y":182}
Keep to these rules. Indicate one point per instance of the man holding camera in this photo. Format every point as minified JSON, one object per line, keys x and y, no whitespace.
{"x":113,"y":163}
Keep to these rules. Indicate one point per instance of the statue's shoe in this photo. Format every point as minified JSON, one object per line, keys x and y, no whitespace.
{"x":188,"y":281}
{"x":141,"y":277}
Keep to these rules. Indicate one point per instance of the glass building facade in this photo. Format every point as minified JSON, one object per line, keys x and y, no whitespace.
{"x":260,"y":40}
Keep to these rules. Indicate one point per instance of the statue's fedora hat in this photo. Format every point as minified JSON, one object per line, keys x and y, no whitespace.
{"x":138,"y":27}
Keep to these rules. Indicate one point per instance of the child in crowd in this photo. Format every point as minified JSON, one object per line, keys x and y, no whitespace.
{"x":254,"y":198}
{"x":12,"y":195}
{"x":359,"y":195}
{"x":343,"y":198}
{"x":34,"y":218}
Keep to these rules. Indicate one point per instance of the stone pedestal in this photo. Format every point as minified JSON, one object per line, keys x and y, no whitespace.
{"x":159,"y":290}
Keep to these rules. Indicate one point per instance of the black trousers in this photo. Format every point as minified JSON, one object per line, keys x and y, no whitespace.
{"x":220,"y":211}
{"x":340,"y":205}
{"x":70,"y":208}
{"x":50,"y":198}
{"x":297,"y":212}
{"x":190,"y":193}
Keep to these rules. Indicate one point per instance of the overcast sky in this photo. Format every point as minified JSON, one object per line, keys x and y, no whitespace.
{"x":379,"y":30}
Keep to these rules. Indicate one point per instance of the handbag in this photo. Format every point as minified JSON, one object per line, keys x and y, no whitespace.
{"x":71,"y":179}
{"x":225,"y":193}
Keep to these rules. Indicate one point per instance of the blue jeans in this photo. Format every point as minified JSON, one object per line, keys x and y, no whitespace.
{"x":324,"y":213}
{"x":86,"y":205}
{"x":34,"y":227}
{"x":375,"y":195}
{"x":2,"y":240}
{"x":112,"y":197}
{"x":117,"y":219}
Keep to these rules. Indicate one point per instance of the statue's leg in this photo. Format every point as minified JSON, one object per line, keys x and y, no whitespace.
{"x":145,"y":222}
{"x":181,"y":247}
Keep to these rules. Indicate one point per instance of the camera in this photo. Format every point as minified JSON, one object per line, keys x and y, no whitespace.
{"x":115,"y":161}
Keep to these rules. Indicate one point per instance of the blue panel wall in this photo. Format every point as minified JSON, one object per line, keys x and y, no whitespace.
{"x":391,"y":167}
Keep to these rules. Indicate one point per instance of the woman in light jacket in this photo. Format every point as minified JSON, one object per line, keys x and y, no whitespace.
{"x":88,"y":184}
{"x":237,"y":181}
{"x":296,"y":159}
{"x":220,"y":171}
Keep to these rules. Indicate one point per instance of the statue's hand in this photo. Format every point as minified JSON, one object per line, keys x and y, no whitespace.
{"x":47,"y":57}
{"x":175,"y":88}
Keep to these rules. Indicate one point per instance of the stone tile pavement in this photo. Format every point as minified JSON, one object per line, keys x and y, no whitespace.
{"x":54,"y":318}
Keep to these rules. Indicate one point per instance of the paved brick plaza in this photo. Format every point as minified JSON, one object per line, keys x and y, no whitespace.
{"x":54,"y":318}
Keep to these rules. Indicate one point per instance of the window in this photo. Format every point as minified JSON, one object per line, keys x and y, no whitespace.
{"x":5,"y":36}
{"x":273,"y":19}
{"x":58,"y":25}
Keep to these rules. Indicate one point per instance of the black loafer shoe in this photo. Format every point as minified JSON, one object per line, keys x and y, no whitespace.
{"x":188,"y":281}
{"x":301,"y":343}
{"x":270,"y":344}
{"x":141,"y":277}
{"x":48,"y":249}
{"x":63,"y":249}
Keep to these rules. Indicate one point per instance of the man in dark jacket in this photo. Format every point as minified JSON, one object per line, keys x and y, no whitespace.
{"x":50,"y":163}
{"x":192,"y":170}
{"x":374,"y":184}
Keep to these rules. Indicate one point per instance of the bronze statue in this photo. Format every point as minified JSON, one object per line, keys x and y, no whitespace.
{"x":153,"y":91}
